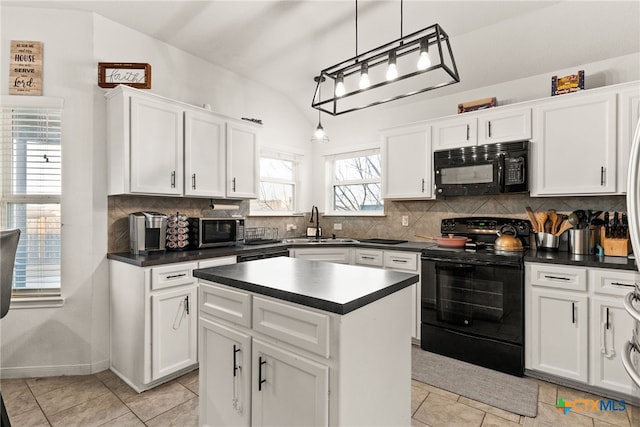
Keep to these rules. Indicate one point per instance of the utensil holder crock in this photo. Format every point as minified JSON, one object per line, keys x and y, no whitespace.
{"x":547,"y":241}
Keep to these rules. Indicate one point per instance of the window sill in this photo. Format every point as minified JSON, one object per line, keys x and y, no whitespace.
{"x":279,"y":214}
{"x":18,"y":303}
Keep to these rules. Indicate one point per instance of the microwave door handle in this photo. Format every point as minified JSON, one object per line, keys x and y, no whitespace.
{"x":501,"y":166}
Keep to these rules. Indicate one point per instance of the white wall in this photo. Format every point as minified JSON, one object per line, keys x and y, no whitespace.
{"x":73,"y":339}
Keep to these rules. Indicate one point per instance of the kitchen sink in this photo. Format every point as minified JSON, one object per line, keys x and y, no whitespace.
{"x":313,"y":241}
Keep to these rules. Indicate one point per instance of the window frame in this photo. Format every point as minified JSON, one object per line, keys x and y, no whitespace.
{"x":284,"y":155}
{"x":42,"y":296}
{"x":331,"y":182}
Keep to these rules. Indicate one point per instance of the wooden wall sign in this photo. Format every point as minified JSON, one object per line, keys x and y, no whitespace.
{"x":112,"y":74}
{"x":25,"y":77}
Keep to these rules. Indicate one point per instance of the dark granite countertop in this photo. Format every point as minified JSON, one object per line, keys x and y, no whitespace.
{"x":169,"y":257}
{"x":566,"y":258}
{"x":336,"y":288}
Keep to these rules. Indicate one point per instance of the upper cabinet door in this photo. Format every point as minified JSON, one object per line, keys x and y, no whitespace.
{"x":156,"y":164}
{"x":407,"y":162}
{"x":242,"y":161}
{"x":504,"y":126}
{"x":628,"y":116}
{"x":204,"y":151}
{"x":574,"y":148}
{"x":454,"y":132}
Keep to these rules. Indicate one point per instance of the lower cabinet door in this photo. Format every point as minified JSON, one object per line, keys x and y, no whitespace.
{"x":611,"y":327}
{"x":225,"y":375}
{"x":174,"y":324}
{"x":559,"y":334}
{"x":288,"y":389}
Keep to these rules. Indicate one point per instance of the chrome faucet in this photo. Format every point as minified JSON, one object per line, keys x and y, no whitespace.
{"x":314,"y":207}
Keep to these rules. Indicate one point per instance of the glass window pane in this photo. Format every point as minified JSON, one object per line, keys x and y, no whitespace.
{"x":358,"y":197}
{"x":275,"y":197}
{"x":275,"y":168}
{"x":38,"y":258}
{"x":362,"y":167}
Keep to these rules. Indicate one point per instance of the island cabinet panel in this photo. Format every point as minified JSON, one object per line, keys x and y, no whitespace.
{"x":288,"y":389}
{"x":229,"y":353}
{"x":285,"y":352}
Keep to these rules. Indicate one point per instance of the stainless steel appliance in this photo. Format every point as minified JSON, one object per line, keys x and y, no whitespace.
{"x":214,"y":232}
{"x":147,"y":232}
{"x":473,"y":297}
{"x":631,"y":355}
{"x":482,"y":169}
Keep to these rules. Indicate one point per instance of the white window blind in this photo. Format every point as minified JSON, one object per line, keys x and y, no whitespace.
{"x":30,"y":156}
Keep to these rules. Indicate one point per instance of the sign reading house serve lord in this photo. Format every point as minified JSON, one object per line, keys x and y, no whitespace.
{"x":25,"y":77}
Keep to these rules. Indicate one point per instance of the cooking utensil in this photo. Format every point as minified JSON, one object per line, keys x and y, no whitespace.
{"x":507,"y":242}
{"x":449,"y":241}
{"x":564,"y":227}
{"x":532,"y":219}
{"x":555,"y":220}
{"x":542,"y":218}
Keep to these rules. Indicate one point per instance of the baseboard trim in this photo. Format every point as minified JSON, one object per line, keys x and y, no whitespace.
{"x":53,"y":371}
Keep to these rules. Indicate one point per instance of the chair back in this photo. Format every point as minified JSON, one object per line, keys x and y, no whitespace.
{"x":8,"y":247}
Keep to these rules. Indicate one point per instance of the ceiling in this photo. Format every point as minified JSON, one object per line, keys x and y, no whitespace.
{"x":283,"y":44}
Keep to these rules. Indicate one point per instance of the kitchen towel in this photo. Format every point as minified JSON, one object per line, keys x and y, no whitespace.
{"x":513,"y":394}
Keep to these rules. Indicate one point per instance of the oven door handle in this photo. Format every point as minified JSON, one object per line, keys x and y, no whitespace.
{"x":461,"y":262}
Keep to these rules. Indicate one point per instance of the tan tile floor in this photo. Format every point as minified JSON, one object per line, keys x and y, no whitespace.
{"x":105,"y":400}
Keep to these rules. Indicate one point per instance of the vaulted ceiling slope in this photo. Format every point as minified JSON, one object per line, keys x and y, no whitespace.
{"x":283,"y":44}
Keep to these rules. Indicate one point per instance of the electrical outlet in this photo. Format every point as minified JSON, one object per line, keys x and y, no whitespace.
{"x":405,"y":220}
{"x":337,"y":226}
{"x":291,"y":227}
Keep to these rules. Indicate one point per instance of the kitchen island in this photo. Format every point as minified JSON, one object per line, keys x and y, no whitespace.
{"x":285,"y":341}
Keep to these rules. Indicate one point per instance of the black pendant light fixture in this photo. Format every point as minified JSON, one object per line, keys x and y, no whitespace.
{"x":319,"y":135}
{"x":412,"y":64}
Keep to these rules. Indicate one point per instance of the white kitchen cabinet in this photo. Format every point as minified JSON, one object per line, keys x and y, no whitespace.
{"x":288,"y":389}
{"x":204,"y":154}
{"x":286,"y":357}
{"x":504,"y":125}
{"x":609,"y":330}
{"x":558,"y":337}
{"x":158,"y":146}
{"x":229,"y":402}
{"x":174,"y":327}
{"x":460,"y":131}
{"x":407,"y":163}
{"x":628,"y":116}
{"x":574,"y":145}
{"x":328,"y":254}
{"x":154,"y":312}
{"x":576,"y":324}
{"x":242,"y":161}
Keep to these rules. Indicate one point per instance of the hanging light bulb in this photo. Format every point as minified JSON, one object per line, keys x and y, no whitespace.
{"x":340,"y":89}
{"x":392,"y":70}
{"x":424,"y":61}
{"x":319,"y":135}
{"x":364,"y":76}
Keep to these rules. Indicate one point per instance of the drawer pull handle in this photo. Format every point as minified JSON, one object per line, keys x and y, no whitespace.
{"x":557,"y":278}
{"x":175,"y":276}
{"x":628,"y":285}
{"x":367,"y":257}
{"x":404,"y":261}
{"x":260,"y":380}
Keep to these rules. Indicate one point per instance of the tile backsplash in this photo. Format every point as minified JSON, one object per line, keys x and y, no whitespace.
{"x":424,"y":215}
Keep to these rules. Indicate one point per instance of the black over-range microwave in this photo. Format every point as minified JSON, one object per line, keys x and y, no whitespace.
{"x":482,"y":169}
